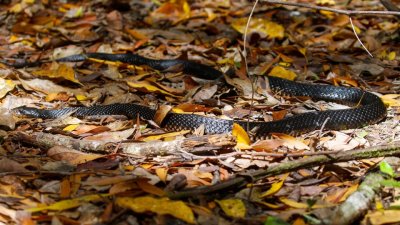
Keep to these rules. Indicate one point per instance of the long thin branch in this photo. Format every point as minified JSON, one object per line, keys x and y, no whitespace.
{"x":240,"y":181}
{"x":340,"y":11}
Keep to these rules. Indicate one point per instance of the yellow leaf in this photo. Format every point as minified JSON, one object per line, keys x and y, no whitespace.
{"x":382,"y":54}
{"x":391,"y":99}
{"x":186,"y":9}
{"x":16,"y":8}
{"x":115,"y":63}
{"x":13,"y":38}
{"x":242,"y":139}
{"x":262,"y":26}
{"x":294,"y":204}
{"x":81,"y":97}
{"x":162,"y":173}
{"x":391,"y":56}
{"x":6,"y":86}
{"x":329,"y":14}
{"x":160,"y":206}
{"x":62,"y":71}
{"x":233,"y":207}
{"x":70,"y":127}
{"x":74,"y":12}
{"x":148,"y":87}
{"x":348,"y":192}
{"x":379,"y":205}
{"x":279,"y":71}
{"x":275,"y":187}
{"x":326,"y":2}
{"x":383,"y":217}
{"x":303,"y":51}
{"x":166,"y":135}
{"x":68,"y":204}
{"x":299,"y":205}
{"x":269,"y":205}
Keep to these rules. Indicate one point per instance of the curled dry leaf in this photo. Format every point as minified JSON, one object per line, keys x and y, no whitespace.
{"x":161,"y":112}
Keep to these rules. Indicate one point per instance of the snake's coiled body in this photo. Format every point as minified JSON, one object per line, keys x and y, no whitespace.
{"x":368,"y":108}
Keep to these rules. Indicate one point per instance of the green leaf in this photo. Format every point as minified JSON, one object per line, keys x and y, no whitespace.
{"x":390,"y":183}
{"x":384,"y":167}
{"x":271,"y":220}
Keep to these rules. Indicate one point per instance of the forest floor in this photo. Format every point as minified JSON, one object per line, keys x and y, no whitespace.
{"x":117,"y":170}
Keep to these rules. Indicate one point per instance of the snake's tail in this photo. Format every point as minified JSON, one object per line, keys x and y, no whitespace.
{"x":195,"y":69}
{"x":44,"y":113}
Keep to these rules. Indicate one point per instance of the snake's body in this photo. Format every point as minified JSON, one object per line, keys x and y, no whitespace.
{"x":368,"y":108}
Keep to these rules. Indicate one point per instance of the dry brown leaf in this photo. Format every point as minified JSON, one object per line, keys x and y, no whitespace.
{"x":74,"y":157}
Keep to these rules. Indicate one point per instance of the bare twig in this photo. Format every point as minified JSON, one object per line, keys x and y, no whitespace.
{"x":355,"y":33}
{"x":340,"y":11}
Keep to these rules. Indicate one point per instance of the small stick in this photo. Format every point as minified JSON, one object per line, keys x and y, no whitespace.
{"x":340,"y":11}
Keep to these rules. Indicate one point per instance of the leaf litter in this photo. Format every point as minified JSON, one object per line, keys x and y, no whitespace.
{"x":80,"y":168}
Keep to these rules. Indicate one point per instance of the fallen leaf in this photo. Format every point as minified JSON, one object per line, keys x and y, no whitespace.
{"x":7,"y":119}
{"x":8,"y":165}
{"x":291,"y":142}
{"x":383,"y":217}
{"x":160,"y":206}
{"x":147,"y":86}
{"x":74,"y":157}
{"x":162,"y":173}
{"x":264,"y":27}
{"x":233,"y":207}
{"x":342,"y":141}
{"x":275,"y":187}
{"x":150,"y":188}
{"x":92,"y":129}
{"x":242,"y":139}
{"x":58,"y":71}
{"x":267,"y":145}
{"x":68,"y":204}
{"x":279,"y":71}
{"x":391,"y":99}
{"x":165,"y":135}
{"x":6,"y":86}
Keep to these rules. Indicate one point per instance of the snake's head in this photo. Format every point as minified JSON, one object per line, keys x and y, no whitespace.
{"x":26,"y":111}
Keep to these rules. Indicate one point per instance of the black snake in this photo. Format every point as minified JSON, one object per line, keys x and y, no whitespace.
{"x":368,"y":108}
